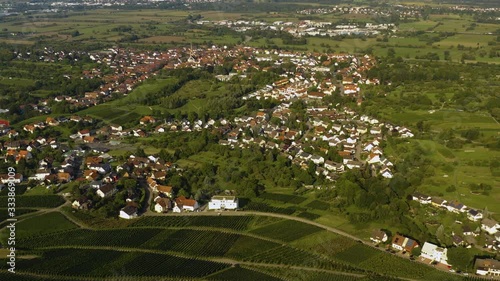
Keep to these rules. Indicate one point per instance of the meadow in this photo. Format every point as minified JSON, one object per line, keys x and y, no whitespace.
{"x":161,"y":28}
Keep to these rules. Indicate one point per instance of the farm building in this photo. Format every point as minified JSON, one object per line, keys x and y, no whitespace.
{"x":223,"y":202}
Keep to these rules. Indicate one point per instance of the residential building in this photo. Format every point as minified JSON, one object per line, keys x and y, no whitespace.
{"x":490,"y":226}
{"x":379,"y":236}
{"x":402,"y":243}
{"x":474,"y":215}
{"x":434,"y":253}
{"x":184,"y":204}
{"x":223,"y":202}
{"x":487,"y":267}
{"x":128,"y":212}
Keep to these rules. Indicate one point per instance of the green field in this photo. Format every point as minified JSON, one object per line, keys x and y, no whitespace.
{"x":53,"y":222}
{"x":193,"y":246}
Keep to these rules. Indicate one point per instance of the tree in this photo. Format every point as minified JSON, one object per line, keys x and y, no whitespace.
{"x":139,"y":152}
{"x":416,"y":251}
{"x":461,"y":258}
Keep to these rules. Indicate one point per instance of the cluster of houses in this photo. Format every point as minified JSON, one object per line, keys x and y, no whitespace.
{"x":403,"y":11}
{"x":301,"y":28}
{"x":490,"y":227}
{"x":433,"y":254}
{"x":294,"y":85}
{"x":356,"y":138}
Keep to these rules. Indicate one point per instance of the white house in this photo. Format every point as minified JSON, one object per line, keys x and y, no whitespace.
{"x":106,"y":190}
{"x":162,"y":204}
{"x":422,"y":198}
{"x":487,"y":267}
{"x":184,"y":204}
{"x":223,"y":202}
{"x":474,"y":215}
{"x":129,"y":212}
{"x":434,"y":253}
{"x":317,"y":159}
{"x":379,"y":236}
{"x":373,"y":158}
{"x":116,"y":127}
{"x":41,"y":174}
{"x":386,"y":173}
{"x":490,"y":226}
{"x":17,"y":178}
{"x":353,"y":164}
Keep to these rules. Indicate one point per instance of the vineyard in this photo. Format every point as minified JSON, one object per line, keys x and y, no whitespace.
{"x":199,"y":243}
{"x":234,"y":223}
{"x":318,"y":205}
{"x":166,"y":265}
{"x":283,"y":198}
{"x":393,"y":265}
{"x":287,"y":230}
{"x":38,"y":201}
{"x":333,"y":246}
{"x":19,"y":211}
{"x":148,"y":247}
{"x":43,"y":224}
{"x":186,"y":241}
{"x":308,"y":215}
{"x":266,"y":208}
{"x":290,"y":256}
{"x":301,"y":275}
{"x":357,"y":254}
{"x":242,"y":274}
{"x":68,"y":262}
{"x":246,"y":247}
{"x":82,"y":237}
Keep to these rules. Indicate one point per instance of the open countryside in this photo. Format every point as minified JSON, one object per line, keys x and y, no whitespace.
{"x":216,"y":140}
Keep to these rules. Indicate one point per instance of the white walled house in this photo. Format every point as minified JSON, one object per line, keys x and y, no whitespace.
{"x":486,"y":267}
{"x":379,"y":236}
{"x":183,"y":204}
{"x":434,"y":253}
{"x":223,"y":202}
{"x":129,"y":212}
{"x":490,"y":226}
{"x":17,"y":178}
{"x":474,"y":215}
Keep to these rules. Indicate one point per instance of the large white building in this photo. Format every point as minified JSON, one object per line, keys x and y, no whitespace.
{"x":487,"y":267}
{"x":434,"y":253}
{"x":223,"y":202}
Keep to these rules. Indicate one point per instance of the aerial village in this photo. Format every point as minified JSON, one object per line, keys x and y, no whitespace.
{"x":356,"y":138}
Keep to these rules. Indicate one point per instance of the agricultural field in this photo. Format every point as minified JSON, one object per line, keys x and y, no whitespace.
{"x":19,"y":212}
{"x":86,"y":262}
{"x":232,"y":223}
{"x":38,"y":201}
{"x":266,"y":208}
{"x":173,"y":246}
{"x":283,"y":198}
{"x":243,"y":274}
{"x":281,"y":230}
{"x":53,"y":222}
